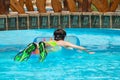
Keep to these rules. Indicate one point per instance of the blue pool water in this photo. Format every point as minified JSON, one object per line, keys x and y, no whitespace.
{"x":64,"y":65}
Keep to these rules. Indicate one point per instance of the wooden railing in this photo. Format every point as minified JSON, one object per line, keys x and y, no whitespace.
{"x":21,"y":6}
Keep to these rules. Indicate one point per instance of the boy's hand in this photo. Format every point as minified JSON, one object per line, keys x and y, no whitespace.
{"x":91,"y":52}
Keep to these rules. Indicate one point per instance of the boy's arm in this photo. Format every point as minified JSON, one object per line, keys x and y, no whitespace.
{"x":78,"y":47}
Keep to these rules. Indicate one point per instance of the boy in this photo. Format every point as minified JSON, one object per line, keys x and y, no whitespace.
{"x":59,"y":36}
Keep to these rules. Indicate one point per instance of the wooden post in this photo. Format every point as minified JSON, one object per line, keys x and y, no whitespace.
{"x":80,"y":2}
{"x":71,"y":5}
{"x":22,"y":2}
{"x":98,"y":5}
{"x":29,"y":5}
{"x":105,"y":5}
{"x":84,"y":5}
{"x":4,"y":6}
{"x":15,"y":6}
{"x":89,"y":5}
{"x":57,"y":6}
{"x":65,"y":5}
{"x":41,"y":5}
{"x":114,"y":5}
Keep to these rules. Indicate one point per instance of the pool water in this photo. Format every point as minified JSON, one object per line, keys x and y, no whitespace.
{"x":63,"y":65}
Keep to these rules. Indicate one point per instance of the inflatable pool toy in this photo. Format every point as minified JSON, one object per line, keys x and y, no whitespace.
{"x":72,"y":39}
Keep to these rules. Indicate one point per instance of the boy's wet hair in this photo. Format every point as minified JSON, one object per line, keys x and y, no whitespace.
{"x":59,"y":34}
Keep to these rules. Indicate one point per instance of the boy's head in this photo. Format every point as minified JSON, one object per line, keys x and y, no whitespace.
{"x":59,"y":34}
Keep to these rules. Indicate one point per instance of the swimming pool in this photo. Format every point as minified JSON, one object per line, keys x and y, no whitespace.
{"x":67,"y":65}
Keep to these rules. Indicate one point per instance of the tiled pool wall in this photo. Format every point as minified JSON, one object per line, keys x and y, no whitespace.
{"x":60,"y":20}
